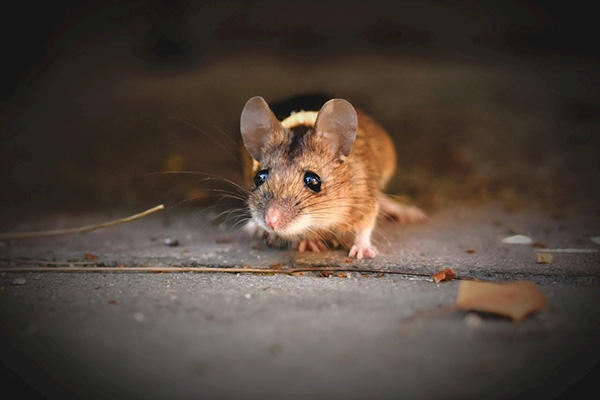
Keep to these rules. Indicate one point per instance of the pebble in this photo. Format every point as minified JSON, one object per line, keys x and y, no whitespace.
{"x":473,"y":321}
{"x":139,"y":317}
{"x":171,"y":242}
{"x":18,"y":281}
{"x":518,"y":239}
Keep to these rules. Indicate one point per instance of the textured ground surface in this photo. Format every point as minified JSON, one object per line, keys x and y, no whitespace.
{"x":354,"y":335}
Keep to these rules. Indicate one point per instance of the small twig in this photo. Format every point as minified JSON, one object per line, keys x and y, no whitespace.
{"x":76,"y":267}
{"x":265,"y":271}
{"x":235,"y":270}
{"x":84,"y":229}
{"x":134,"y":269}
{"x":44,"y":262}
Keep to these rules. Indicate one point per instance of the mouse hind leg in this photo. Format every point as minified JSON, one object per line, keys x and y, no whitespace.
{"x":401,"y":213}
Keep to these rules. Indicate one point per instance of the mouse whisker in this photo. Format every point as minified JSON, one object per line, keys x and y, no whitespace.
{"x":231,"y":213}
{"x":208,"y":177}
{"x":220,"y":131}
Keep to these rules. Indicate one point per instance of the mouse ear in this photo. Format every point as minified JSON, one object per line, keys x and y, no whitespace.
{"x":258,"y":124}
{"x":336,"y":125}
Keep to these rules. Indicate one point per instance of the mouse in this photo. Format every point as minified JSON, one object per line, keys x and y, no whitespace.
{"x":317,"y":177}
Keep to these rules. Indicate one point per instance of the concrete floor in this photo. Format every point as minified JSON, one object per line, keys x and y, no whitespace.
{"x":354,"y":335}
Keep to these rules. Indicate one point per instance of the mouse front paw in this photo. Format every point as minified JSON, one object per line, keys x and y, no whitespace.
{"x":315,"y":245}
{"x":361,"y":252}
{"x":255,"y":230}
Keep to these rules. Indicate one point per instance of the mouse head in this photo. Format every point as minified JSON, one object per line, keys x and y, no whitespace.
{"x":298,"y":169}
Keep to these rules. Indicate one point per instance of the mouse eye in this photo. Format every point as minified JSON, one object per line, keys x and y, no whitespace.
{"x":260,"y":177}
{"x":312,"y":181}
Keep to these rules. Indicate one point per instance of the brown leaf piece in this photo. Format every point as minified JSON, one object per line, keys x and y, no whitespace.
{"x":544,"y":258}
{"x":514,"y":300}
{"x":444,"y":275}
{"x":90,"y":256}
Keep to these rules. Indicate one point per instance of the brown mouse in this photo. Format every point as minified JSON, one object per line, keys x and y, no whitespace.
{"x":318,"y":176}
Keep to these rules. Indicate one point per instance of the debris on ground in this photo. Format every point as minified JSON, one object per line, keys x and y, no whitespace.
{"x":544,"y":258}
{"x":517,"y":239}
{"x":515,"y":300}
{"x":443,"y":276}
{"x":171,"y":242}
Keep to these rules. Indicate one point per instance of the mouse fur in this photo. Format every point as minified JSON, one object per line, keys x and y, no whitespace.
{"x":316,"y":178}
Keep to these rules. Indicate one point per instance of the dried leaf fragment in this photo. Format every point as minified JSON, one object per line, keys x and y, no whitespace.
{"x":276,"y":266}
{"x":544,"y":258}
{"x":444,"y":275}
{"x":90,"y":256}
{"x":514,"y":300}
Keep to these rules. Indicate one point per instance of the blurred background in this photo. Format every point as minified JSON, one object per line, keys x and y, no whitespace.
{"x":486,"y":100}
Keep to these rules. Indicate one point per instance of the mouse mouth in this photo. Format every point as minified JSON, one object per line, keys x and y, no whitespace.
{"x":296,"y":228}
{"x":281,"y":218}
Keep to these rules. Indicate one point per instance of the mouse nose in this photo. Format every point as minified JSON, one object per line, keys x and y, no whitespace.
{"x":273,"y":217}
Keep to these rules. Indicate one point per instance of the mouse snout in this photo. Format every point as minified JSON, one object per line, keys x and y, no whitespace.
{"x":279,"y":215}
{"x":273,"y":216}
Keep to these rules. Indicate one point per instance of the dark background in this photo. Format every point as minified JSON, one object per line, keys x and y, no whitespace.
{"x":486,"y":100}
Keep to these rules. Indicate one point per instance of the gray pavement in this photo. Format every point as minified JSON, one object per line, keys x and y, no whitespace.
{"x":216,"y":335}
